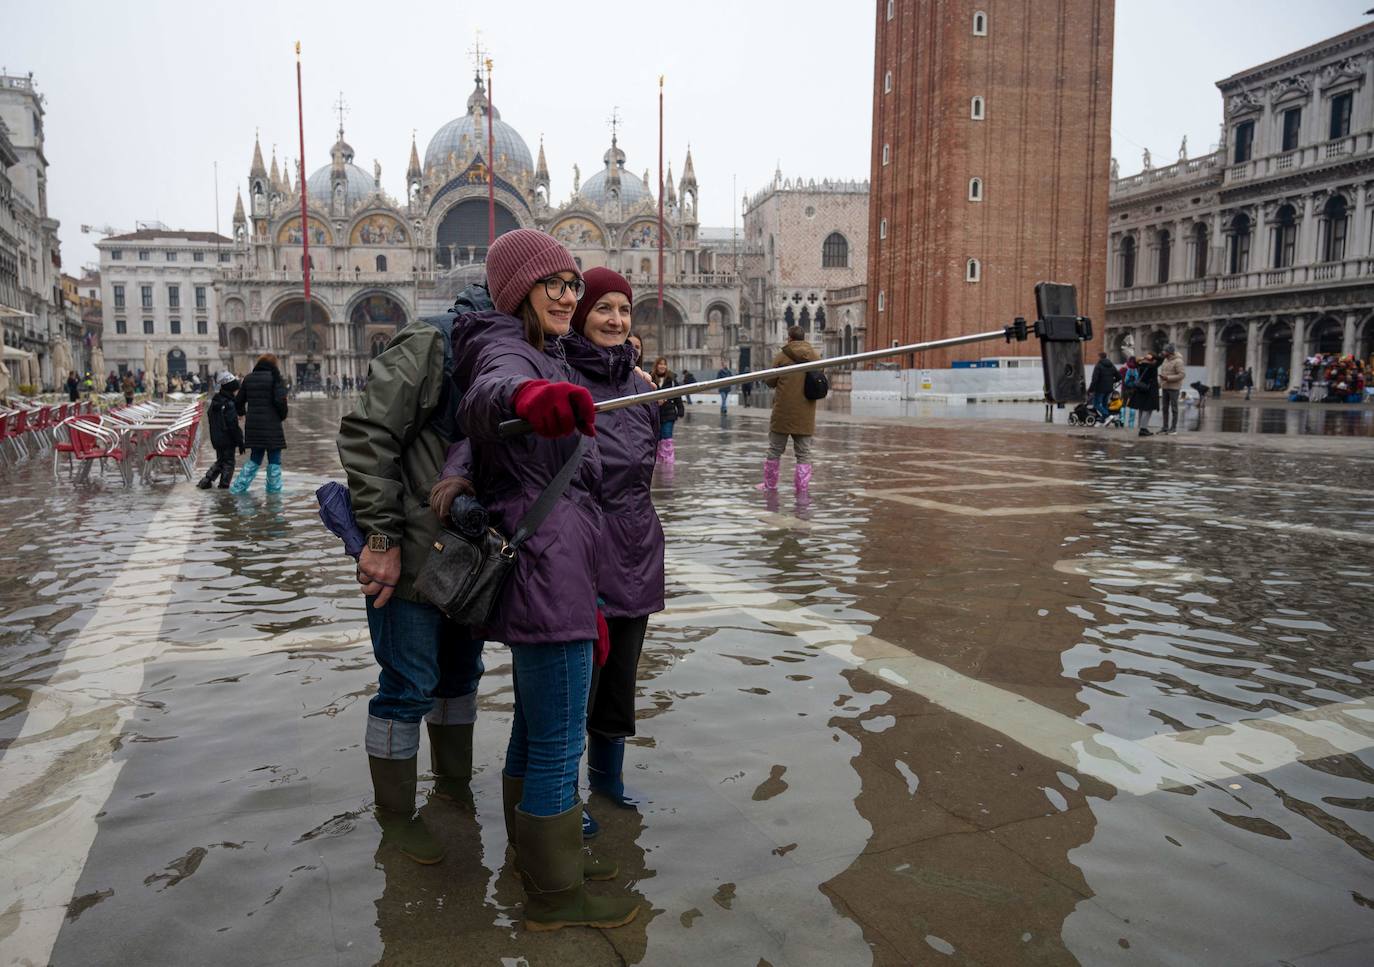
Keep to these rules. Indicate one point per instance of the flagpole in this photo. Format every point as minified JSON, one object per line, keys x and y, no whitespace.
{"x":305,"y":216}
{"x":660,"y":205}
{"x":491,"y":164}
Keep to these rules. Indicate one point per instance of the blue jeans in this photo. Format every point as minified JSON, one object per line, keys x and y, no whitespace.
{"x":273,"y":456}
{"x":429,"y":670}
{"x":548,"y":732}
{"x":1100,"y":404}
{"x":665,"y":430}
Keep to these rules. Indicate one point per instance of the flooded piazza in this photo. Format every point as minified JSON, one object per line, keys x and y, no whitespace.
{"x":999,"y":693}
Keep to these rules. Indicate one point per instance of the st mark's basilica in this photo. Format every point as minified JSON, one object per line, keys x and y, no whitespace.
{"x":378,"y":263}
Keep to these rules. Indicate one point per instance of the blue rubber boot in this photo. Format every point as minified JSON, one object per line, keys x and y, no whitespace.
{"x":244,"y":480}
{"x":590,"y":827}
{"x":605,"y":764}
{"x":274,"y":478}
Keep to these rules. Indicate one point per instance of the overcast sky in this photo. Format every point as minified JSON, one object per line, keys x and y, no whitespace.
{"x":143,"y":97}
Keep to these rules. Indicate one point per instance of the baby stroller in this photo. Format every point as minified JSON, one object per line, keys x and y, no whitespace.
{"x":1083,"y":415}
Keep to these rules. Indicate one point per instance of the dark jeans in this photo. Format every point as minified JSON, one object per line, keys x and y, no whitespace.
{"x":611,"y":707}
{"x":429,"y":670}
{"x":223,"y":467}
{"x":273,"y":456}
{"x":548,"y":732}
{"x":1170,"y":406}
{"x":1100,"y":404}
{"x":665,"y":430}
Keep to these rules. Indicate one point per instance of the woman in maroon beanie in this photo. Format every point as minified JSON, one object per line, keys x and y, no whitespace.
{"x":509,"y":362}
{"x":630,"y":578}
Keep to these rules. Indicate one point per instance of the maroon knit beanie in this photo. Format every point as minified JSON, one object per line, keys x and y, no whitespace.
{"x":519,"y":259}
{"x":599,"y":281}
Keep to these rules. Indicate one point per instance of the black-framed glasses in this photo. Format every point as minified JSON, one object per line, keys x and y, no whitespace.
{"x":555,"y":286}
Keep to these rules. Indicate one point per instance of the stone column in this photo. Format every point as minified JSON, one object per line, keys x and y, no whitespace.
{"x":1299,"y":350}
{"x":1305,"y":251}
{"x":1209,"y":359}
{"x":1348,"y":337}
{"x":1252,"y":352}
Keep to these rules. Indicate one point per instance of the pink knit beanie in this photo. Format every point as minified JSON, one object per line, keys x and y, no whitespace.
{"x":519,"y":259}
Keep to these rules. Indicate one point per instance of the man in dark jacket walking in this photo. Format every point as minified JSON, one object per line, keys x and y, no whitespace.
{"x":1103,"y":382}
{"x":392,"y":447}
{"x":226,"y":435}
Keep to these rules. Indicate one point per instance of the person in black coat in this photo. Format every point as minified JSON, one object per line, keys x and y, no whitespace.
{"x":1103,"y":382}
{"x":1147,"y":391}
{"x":261,"y":400}
{"x":226,"y":436}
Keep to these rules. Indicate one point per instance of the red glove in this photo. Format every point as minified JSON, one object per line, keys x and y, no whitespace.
{"x":555,"y":409}
{"x":602,"y":649}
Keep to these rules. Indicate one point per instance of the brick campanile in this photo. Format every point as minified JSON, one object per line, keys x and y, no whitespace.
{"x":991,"y":158}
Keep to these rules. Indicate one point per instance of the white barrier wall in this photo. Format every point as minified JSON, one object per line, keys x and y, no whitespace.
{"x":970,"y":384}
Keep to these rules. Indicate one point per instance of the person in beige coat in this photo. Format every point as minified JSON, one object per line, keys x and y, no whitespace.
{"x":1172,"y":374}
{"x":793,"y":414}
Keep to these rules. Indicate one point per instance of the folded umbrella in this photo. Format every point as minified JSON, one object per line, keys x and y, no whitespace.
{"x":469,"y":518}
{"x":336,"y":513}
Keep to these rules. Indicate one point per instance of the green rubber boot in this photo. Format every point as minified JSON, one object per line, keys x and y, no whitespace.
{"x":450,"y":758}
{"x":393,"y":785}
{"x":512,"y":790}
{"x":549,"y":852}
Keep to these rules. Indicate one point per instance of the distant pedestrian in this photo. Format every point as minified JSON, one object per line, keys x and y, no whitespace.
{"x":1171,"y":377}
{"x":669,"y":411}
{"x":793,"y":416}
{"x":1103,"y":382}
{"x":746,"y":391}
{"x":261,"y":400}
{"x":1147,"y":391}
{"x":1130,"y":379}
{"x":724,"y":373}
{"x":687,"y":380}
{"x":129,"y":385}
{"x":73,"y":386}
{"x":1247,"y":380}
{"x":226,"y":436}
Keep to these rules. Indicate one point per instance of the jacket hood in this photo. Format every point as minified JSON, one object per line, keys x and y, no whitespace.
{"x":263,"y":365}
{"x":607,"y":364}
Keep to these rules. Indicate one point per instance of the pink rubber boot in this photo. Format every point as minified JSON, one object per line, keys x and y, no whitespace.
{"x":770,"y":476}
{"x":666,"y":453}
{"x":802,"y":478}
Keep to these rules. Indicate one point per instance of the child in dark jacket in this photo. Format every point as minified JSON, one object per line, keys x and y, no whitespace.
{"x":226,"y":435}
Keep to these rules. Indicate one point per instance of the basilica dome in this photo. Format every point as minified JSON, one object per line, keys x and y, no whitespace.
{"x":358,"y":184}
{"x":633,"y":190}
{"x":466,"y":136}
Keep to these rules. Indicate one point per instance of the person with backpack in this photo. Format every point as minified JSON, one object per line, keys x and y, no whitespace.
{"x":724,"y":373}
{"x":1147,"y":391}
{"x":226,"y":435}
{"x":1130,"y":379}
{"x":392,"y":447}
{"x":794,"y":414}
{"x":510,"y":364}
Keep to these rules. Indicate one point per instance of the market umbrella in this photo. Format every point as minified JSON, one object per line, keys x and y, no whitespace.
{"x":98,"y":373}
{"x":148,"y":357}
{"x":31,"y":371}
{"x":61,"y":361}
{"x":4,"y":380}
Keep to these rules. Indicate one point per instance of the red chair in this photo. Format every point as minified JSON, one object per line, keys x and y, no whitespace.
{"x":91,"y":441}
{"x":179,"y":444}
{"x":62,"y":441}
{"x":17,"y":427}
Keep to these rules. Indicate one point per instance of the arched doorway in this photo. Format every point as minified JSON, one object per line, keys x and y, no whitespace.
{"x":1196,"y":354}
{"x":1327,"y":336}
{"x":1233,"y":340}
{"x":176,"y":363}
{"x":1364,"y":339}
{"x":1277,"y":354}
{"x":1158,"y":340}
{"x":665,"y":337}
{"x":461,"y":238}
{"x":288,"y":322}
{"x":375,"y":315}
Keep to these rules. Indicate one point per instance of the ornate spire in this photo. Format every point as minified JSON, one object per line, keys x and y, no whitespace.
{"x":689,"y":175}
{"x":541,"y":168}
{"x":274,"y":178}
{"x":239,"y":217}
{"x":670,"y":194}
{"x":414,"y":171}
{"x":259,"y":170}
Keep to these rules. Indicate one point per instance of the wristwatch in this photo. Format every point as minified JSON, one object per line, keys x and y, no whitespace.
{"x":379,"y":543}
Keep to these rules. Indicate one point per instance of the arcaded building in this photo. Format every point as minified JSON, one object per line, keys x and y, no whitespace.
{"x":991,"y":153}
{"x":1257,"y":254}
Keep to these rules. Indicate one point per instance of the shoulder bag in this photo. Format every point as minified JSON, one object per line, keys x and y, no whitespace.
{"x":463,"y":577}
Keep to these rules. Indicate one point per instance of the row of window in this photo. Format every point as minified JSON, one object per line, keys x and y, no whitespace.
{"x":1333,"y":230}
{"x":173,"y":327}
{"x":146,"y":255}
{"x":975,"y":193}
{"x":173,"y":296}
{"x":973,"y":272}
{"x":977,"y":112}
{"x":1290,"y":128}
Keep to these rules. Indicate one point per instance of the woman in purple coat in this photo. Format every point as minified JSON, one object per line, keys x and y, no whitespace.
{"x":630,"y":583}
{"x":510,"y":365}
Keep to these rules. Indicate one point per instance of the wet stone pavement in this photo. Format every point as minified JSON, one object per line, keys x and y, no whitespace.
{"x":999,"y":694}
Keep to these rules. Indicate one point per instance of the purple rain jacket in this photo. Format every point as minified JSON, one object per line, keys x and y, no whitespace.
{"x":551,"y":596}
{"x":631,"y":583}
